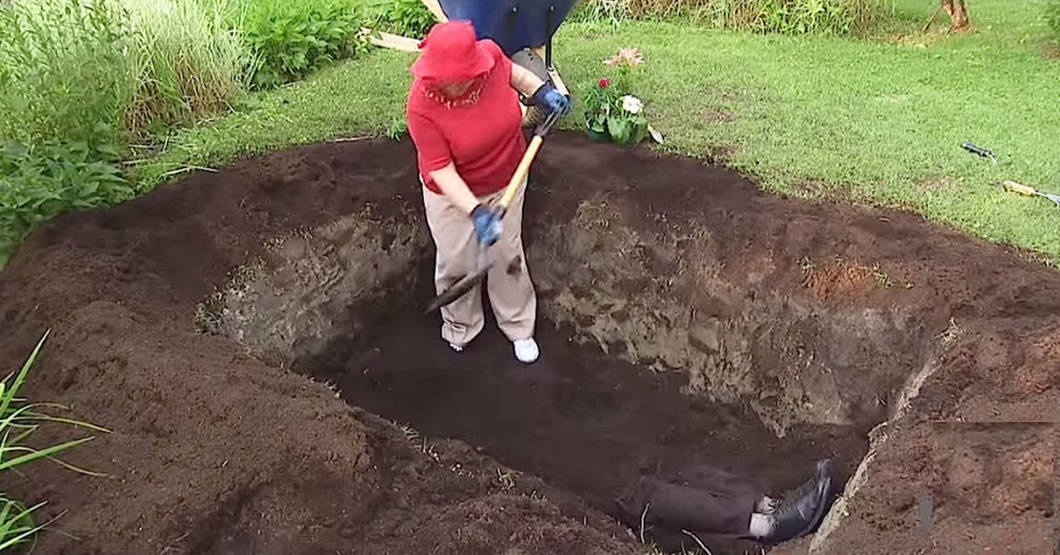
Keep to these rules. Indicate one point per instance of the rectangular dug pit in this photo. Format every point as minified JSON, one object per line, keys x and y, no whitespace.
{"x":689,"y":324}
{"x":686,"y":320}
{"x":654,"y":361}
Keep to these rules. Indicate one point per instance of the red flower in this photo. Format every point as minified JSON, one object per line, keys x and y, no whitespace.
{"x":604,"y":82}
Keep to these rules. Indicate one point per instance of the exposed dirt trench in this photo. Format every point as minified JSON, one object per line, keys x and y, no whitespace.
{"x":585,"y":422}
{"x":685,"y":319}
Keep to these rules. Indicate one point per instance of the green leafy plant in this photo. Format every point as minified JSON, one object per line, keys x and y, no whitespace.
{"x":67,"y":70}
{"x":19,"y":419}
{"x":289,"y":39}
{"x":397,"y":129}
{"x":38,"y":183}
{"x":611,"y":114}
{"x":409,"y":18}
{"x":601,"y":11}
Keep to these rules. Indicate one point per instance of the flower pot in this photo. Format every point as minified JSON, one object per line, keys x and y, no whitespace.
{"x":629,"y":132}
{"x":640,"y":132}
{"x":599,"y":136}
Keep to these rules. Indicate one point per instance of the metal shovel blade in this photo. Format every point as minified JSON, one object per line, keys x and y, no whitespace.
{"x":456,"y":290}
{"x":1052,"y":197}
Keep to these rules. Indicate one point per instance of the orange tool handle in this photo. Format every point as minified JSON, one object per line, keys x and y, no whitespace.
{"x":528,"y":158}
{"x":521,"y":171}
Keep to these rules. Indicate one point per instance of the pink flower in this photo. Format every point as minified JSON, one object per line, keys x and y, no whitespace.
{"x":626,"y":56}
{"x":604,"y":82}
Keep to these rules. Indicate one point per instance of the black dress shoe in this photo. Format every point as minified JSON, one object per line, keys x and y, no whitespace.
{"x":802,"y":510}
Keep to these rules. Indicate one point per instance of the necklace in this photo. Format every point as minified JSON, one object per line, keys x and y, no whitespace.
{"x":467,"y":99}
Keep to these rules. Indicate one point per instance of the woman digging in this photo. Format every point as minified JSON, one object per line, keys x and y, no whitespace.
{"x":465,"y":119}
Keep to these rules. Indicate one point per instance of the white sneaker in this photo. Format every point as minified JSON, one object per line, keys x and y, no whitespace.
{"x":526,"y":350}
{"x":456,"y":347}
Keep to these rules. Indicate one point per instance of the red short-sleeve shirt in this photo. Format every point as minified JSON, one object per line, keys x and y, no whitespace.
{"x":484,"y":139}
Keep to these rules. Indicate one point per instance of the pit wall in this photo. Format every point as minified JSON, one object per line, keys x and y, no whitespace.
{"x":315,"y":286}
{"x":658,"y":297}
{"x":663,"y":297}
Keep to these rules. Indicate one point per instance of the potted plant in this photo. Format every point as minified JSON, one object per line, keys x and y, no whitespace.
{"x":613,"y":116}
{"x":611,"y":113}
{"x":598,"y":104}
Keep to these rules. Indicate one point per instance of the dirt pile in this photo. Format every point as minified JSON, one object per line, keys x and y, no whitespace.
{"x":772,"y":329}
{"x":214,"y":451}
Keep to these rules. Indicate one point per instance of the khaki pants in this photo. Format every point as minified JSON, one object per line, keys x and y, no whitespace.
{"x":511,"y":292}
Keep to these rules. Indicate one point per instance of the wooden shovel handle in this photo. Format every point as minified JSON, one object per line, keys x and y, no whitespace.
{"x":1019,"y":188}
{"x":436,"y":10}
{"x":521,"y":172}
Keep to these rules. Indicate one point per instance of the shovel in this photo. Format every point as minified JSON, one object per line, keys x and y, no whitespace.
{"x":1029,"y":191}
{"x":468,"y":282}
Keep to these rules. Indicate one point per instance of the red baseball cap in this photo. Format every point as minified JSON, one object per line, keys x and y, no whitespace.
{"x":451,"y":53}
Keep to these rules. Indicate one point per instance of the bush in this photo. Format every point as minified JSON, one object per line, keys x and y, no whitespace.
{"x":104,"y":70}
{"x":67,"y":71}
{"x":38,"y":183}
{"x":607,"y":11}
{"x":81,"y":78}
{"x":785,"y":16}
{"x":767,"y":16}
{"x":409,"y":18}
{"x":290,"y":38}
{"x":191,"y":62}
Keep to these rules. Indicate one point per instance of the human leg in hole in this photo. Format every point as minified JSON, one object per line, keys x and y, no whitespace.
{"x":719,"y":503}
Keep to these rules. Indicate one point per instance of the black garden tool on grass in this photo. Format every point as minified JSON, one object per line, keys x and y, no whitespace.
{"x":976,"y":149}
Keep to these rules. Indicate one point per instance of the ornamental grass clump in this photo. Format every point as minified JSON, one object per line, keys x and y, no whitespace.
{"x":19,"y":420}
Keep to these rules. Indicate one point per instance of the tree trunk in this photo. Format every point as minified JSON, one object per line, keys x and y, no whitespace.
{"x":958,"y":13}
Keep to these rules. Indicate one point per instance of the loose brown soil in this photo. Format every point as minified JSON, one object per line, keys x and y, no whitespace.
{"x":998,"y":476}
{"x":585,"y":422}
{"x":1051,"y":51}
{"x":719,"y":115}
{"x":678,"y":329}
{"x":720,"y":154}
{"x":938,"y":183}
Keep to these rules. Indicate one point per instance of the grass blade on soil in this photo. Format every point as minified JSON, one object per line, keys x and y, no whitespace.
{"x":18,"y":421}
{"x":16,"y":523}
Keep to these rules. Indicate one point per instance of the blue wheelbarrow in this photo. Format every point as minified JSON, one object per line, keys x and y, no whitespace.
{"x":515,"y":25}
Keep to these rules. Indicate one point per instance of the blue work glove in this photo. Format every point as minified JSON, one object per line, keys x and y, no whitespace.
{"x":549,"y":99}
{"x":487,"y":224}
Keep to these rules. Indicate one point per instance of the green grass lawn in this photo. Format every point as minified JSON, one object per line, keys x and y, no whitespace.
{"x":876,"y":120}
{"x":361,"y":96}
